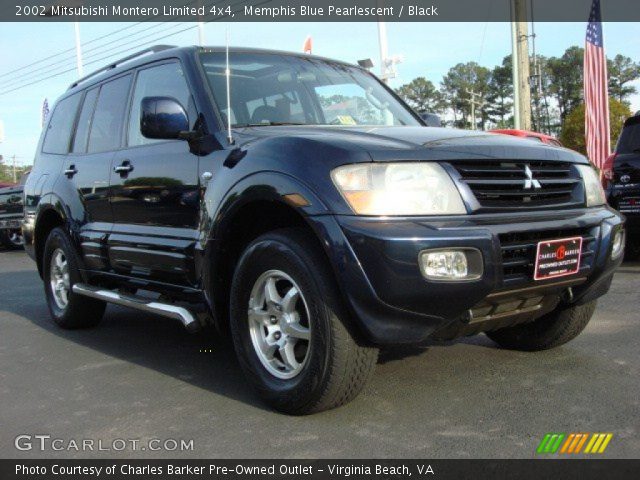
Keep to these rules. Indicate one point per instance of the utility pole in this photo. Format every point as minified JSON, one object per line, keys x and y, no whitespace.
{"x":78,"y":48}
{"x":384,"y":52}
{"x":479,"y":103}
{"x":520,"y":60}
{"x":13,"y":158}
{"x":201,"y":41}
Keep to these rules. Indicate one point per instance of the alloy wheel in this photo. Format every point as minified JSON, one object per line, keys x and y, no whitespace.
{"x":279,"y":324}
{"x":59,"y":278}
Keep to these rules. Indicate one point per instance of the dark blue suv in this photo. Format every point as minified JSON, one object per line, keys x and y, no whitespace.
{"x":298,"y":203}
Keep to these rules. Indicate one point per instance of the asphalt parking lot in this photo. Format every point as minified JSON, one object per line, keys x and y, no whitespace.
{"x":138,"y":376}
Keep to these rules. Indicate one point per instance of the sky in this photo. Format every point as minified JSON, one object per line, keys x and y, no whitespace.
{"x":429,"y":50}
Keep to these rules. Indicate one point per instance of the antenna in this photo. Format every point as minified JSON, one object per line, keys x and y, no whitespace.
{"x":228,"y":75}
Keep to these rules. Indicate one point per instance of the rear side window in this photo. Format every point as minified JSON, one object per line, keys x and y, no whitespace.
{"x":630,"y":138}
{"x":61,"y":124}
{"x":106,"y":127}
{"x":166,"y":80}
{"x":84,"y":122}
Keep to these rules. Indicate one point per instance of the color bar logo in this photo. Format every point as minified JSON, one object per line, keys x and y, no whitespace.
{"x":574,"y":443}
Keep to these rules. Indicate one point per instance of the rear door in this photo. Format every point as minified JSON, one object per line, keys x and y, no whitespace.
{"x":155,"y":192}
{"x":98,"y":135}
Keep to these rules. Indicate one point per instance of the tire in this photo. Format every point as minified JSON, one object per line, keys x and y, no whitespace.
{"x":549,"y":331}
{"x":12,"y":239}
{"x":328,"y":369}
{"x":78,"y":311}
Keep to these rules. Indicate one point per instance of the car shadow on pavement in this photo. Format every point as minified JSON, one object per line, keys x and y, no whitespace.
{"x":203,"y":359}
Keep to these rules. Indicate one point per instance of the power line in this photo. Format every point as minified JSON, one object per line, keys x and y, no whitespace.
{"x":137,"y":46}
{"x":68,"y":50}
{"x":37,"y":62}
{"x":57,"y":65}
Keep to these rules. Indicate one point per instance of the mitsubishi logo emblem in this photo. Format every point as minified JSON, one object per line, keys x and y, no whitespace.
{"x":529,"y":181}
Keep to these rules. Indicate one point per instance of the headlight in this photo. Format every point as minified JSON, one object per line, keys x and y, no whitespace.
{"x":592,"y":186}
{"x":406,"y":188}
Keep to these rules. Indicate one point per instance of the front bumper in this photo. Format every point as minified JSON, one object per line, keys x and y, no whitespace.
{"x":376,"y":262}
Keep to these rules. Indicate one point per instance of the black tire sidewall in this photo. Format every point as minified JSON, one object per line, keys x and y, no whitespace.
{"x":275,"y":254}
{"x":59,"y":239}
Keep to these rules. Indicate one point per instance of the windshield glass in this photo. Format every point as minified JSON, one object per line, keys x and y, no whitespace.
{"x":629,"y":141}
{"x":276,"y":89}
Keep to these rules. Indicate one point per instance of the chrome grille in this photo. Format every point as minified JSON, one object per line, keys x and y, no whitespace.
{"x":504,"y":185}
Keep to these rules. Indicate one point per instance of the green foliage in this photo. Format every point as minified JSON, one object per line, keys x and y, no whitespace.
{"x":559,"y":90}
{"x":500,"y":96}
{"x":455,"y":87}
{"x":572,"y":134}
{"x":566,"y":79}
{"x":421,"y":95}
{"x":622,"y":71}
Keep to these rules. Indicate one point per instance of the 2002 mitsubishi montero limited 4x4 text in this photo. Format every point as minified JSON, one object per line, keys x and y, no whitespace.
{"x":311,"y":213}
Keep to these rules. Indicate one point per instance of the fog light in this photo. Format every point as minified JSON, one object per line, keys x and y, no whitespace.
{"x":453,"y":264}
{"x":617,"y":246}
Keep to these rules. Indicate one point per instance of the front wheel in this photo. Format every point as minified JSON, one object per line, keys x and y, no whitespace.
{"x":549,"y":331}
{"x":288,"y":326}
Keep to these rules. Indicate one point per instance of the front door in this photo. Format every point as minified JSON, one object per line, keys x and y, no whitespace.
{"x":154,"y":190}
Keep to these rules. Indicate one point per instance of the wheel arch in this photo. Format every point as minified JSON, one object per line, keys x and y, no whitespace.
{"x":256,"y":205}
{"x":50,"y":215}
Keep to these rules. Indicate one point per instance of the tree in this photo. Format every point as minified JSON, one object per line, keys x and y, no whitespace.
{"x":455,"y":85}
{"x":622,"y":71}
{"x":572,"y":135}
{"x":500,"y":94}
{"x":421,"y":95}
{"x":566,"y":80}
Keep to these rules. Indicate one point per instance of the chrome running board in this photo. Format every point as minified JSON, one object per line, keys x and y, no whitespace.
{"x":187,"y":318}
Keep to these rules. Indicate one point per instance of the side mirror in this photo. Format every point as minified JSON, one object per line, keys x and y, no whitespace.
{"x":431,"y":119}
{"x":162,"y":118}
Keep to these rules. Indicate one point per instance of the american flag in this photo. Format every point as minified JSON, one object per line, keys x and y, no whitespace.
{"x":45,"y":111}
{"x":596,"y":94}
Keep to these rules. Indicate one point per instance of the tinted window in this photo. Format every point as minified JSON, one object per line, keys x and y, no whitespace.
{"x":106,"y":128}
{"x":61,"y":125}
{"x":161,"y":81}
{"x":84,"y":122}
{"x":630,"y":138}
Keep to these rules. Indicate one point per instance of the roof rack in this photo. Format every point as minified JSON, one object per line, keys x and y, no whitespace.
{"x":111,"y":66}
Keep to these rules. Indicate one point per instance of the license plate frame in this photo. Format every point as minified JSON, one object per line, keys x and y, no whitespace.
{"x":551,"y":258}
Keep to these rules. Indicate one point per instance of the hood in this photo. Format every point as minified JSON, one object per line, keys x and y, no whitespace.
{"x":419,"y":143}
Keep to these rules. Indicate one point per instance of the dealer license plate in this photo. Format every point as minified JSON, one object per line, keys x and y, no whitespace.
{"x":558,"y":258}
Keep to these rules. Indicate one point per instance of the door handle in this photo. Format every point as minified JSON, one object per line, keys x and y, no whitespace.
{"x":71,"y":171}
{"x":124,"y":168}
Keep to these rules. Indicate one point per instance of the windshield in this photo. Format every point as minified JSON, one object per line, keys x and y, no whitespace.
{"x":629,"y":141}
{"x":277,"y":89}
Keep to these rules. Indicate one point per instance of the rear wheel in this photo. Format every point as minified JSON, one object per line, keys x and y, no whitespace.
{"x":12,"y":239}
{"x":288,"y":326}
{"x":549,"y":331}
{"x":60,"y":273}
